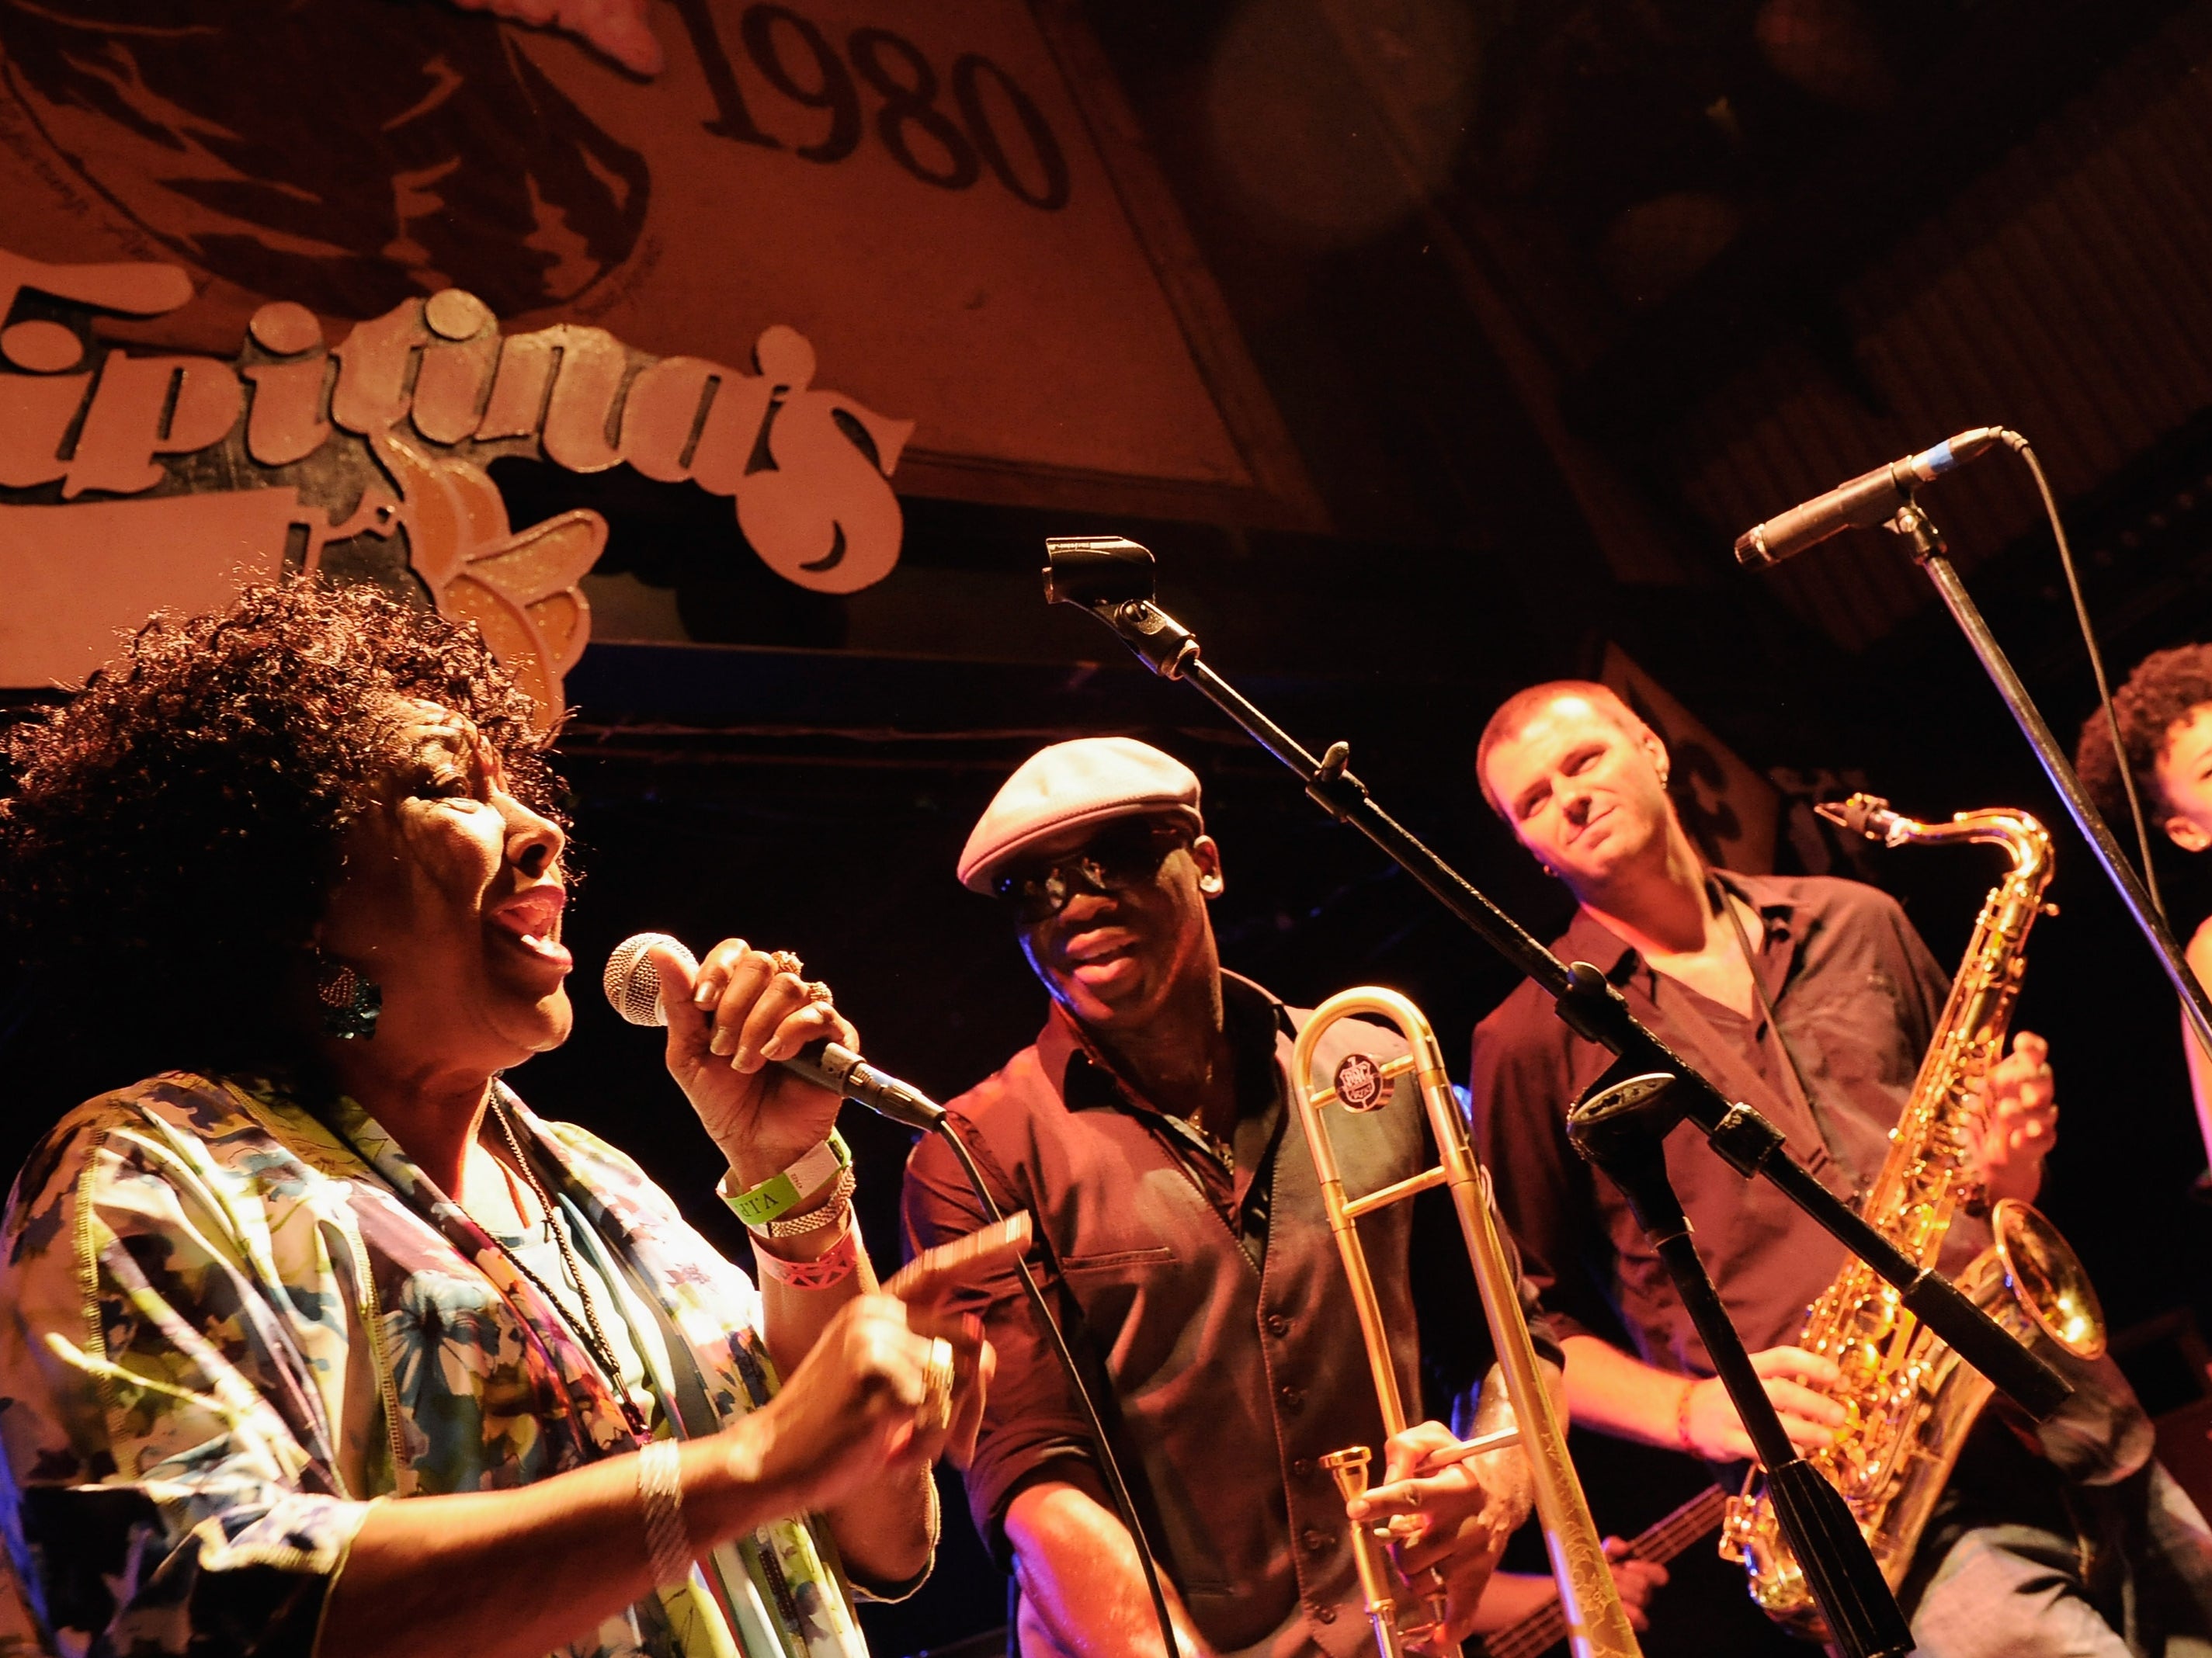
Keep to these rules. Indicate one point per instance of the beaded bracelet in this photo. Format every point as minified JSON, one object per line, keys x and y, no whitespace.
{"x":832,"y":1267}
{"x":1682,"y":1417}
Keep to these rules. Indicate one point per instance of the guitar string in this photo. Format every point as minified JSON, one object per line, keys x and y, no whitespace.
{"x":1545,"y":1627}
{"x":1666,"y":1538}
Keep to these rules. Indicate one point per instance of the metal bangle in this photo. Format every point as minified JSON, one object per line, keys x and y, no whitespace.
{"x":833,"y":1211}
{"x":661,"y":1495}
{"x":756,"y":1205}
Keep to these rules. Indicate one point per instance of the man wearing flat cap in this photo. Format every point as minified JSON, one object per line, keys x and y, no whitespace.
{"x":1149,"y":1133}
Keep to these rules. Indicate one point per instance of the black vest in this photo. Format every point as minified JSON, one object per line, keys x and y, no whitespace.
{"x":1230,"y":1380}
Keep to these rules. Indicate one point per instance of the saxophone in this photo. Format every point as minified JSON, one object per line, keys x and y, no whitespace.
{"x":1909,"y":1401}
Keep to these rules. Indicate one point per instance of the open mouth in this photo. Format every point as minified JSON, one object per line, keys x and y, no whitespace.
{"x":532,"y":919}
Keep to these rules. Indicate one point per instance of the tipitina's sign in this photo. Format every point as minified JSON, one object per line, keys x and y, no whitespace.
{"x":133,"y":479}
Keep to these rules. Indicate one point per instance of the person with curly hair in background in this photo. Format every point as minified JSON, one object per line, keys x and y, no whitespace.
{"x":2165,"y":715}
{"x":298,"y":867}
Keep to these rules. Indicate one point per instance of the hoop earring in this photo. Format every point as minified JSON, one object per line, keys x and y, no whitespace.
{"x":350,"y":1001}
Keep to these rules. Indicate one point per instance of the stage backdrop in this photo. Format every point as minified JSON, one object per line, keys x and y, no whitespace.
{"x":1730,"y":810}
{"x":950,"y":201}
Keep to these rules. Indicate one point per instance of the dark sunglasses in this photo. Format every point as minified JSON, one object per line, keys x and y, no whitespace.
{"x":1118,"y":857}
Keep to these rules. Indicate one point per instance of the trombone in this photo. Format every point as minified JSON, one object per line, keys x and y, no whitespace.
{"x":1597,"y":1627}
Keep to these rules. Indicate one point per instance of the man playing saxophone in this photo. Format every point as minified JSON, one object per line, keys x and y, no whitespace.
{"x":1149,"y":1134}
{"x":1812,"y":999}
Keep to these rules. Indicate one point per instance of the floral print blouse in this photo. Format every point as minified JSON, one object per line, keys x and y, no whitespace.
{"x":231,"y":1325}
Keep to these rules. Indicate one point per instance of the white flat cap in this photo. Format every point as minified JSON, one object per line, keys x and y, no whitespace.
{"x":1088,"y":780}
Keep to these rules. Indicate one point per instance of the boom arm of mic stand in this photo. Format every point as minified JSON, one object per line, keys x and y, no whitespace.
{"x":1588,"y":1003}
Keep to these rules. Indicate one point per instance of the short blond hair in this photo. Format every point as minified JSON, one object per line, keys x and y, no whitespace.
{"x":1518,"y":711}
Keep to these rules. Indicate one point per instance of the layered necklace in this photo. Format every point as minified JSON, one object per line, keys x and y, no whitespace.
{"x":593,"y":1334}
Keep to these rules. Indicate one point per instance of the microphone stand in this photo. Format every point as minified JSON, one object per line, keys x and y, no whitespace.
{"x":1619,"y":1126}
{"x":1113,"y":579}
{"x":1925,"y":542}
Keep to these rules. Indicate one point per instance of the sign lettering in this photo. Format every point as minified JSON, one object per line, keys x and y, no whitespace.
{"x":386,"y":435}
{"x":909,"y":123}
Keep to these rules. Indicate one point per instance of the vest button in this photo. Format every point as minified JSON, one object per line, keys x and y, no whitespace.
{"x":1325,"y":1614}
{"x":1293,"y":1398}
{"x":1303,"y":1467}
{"x":1317,"y":1542}
{"x":1278,"y":1326}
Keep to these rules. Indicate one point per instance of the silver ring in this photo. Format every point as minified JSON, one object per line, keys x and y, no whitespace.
{"x":786,"y":961}
{"x":817,"y":991}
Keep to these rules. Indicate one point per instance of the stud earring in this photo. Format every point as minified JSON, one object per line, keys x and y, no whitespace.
{"x":350,"y":1000}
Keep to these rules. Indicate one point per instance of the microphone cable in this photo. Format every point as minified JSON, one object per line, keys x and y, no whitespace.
{"x":2020,"y":446}
{"x":1107,"y":1465}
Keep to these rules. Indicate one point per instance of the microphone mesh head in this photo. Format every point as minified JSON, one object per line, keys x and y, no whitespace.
{"x":633,"y":982}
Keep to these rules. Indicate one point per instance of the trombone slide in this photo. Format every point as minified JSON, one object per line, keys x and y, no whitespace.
{"x":1597,"y":1626}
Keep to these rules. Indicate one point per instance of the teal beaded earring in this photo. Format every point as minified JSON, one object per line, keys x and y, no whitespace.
{"x":350,"y":1001}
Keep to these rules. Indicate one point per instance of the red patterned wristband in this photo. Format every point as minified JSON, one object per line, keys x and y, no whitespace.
{"x":832,"y":1267}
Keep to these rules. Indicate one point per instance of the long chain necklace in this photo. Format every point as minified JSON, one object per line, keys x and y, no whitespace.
{"x":594,"y":1336}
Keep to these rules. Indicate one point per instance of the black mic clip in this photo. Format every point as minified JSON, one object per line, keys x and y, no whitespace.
{"x":1112,"y":578}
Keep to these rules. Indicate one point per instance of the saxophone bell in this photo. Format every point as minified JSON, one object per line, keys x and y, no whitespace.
{"x":1909,"y":1398}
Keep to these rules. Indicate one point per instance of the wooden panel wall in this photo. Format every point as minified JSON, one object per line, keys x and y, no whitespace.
{"x":2067,"y":293}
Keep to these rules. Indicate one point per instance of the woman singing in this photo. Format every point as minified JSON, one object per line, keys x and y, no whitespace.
{"x":301,"y":862}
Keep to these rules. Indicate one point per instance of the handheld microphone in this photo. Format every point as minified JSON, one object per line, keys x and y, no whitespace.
{"x":1870,"y":499}
{"x":633,"y":987}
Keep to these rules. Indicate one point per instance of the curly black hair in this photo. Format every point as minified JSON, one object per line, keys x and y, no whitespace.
{"x":2164,"y":689}
{"x":174,"y":828}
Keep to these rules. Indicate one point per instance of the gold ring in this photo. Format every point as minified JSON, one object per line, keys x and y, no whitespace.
{"x":786,"y":961}
{"x":937,"y":1378}
{"x":817,"y":991}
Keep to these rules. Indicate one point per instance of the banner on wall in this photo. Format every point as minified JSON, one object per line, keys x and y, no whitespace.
{"x":137,"y":479}
{"x":954,"y":195}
